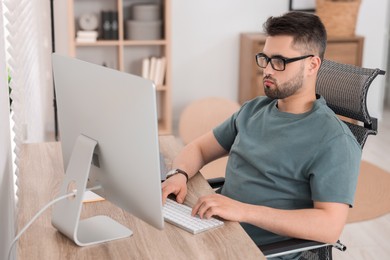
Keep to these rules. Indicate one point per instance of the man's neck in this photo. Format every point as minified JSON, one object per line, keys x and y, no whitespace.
{"x":297,"y":104}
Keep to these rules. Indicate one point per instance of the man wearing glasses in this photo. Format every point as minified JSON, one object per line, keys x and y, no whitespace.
{"x":293,"y":165}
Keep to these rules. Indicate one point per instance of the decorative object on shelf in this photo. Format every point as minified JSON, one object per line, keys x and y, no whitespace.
{"x":114,"y":25}
{"x":88,"y":24}
{"x":146,"y":12}
{"x":109,"y":21}
{"x":146,"y":23}
{"x":86,"y":36}
{"x":140,"y":30}
{"x":338,"y":16}
{"x":302,"y":5}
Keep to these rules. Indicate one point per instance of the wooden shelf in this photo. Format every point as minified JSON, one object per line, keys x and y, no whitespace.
{"x":347,"y":50}
{"x":124,"y":43}
{"x":124,"y":54}
{"x":137,"y":43}
{"x":161,"y":88}
{"x":97,"y":43}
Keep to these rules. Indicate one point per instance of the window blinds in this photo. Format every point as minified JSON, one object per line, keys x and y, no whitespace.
{"x":26,"y":48}
{"x":28,"y":43}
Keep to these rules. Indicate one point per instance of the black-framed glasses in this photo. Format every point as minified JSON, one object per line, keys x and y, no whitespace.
{"x":277,"y":62}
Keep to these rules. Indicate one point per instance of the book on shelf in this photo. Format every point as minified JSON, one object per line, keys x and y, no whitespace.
{"x":160,"y":71}
{"x":145,"y":68}
{"x":154,"y":68}
{"x":114,"y":25}
{"x":106,"y":25}
{"x":109,"y":21}
{"x":86,"y":36}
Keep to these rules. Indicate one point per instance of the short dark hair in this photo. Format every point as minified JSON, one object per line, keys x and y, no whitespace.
{"x":305,"y":28}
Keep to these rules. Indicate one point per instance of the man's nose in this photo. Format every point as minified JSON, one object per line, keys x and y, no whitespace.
{"x":268,"y":70}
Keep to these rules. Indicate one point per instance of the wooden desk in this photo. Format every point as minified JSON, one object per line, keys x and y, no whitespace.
{"x":41,"y":173}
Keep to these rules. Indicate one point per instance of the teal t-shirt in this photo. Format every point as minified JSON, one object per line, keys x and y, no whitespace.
{"x":287,"y":161}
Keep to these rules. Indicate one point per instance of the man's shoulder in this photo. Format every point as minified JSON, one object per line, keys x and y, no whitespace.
{"x":333,"y":126}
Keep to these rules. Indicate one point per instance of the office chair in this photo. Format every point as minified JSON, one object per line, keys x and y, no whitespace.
{"x":344,"y":88}
{"x":200,"y":117}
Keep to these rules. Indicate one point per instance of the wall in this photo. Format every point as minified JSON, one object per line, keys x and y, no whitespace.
{"x":387,"y":82}
{"x":205,"y":49}
{"x":205,"y":44}
{"x":61,"y":27}
{"x":373,"y":24}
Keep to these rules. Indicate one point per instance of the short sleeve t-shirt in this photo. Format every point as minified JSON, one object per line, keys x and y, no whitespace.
{"x":287,"y":161}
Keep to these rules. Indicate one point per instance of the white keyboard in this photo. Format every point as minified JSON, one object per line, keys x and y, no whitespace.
{"x":180,"y":215}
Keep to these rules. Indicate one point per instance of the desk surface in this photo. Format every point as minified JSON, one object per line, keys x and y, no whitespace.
{"x":41,"y":173}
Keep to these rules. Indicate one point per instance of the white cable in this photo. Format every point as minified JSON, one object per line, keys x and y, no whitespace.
{"x":40,"y":212}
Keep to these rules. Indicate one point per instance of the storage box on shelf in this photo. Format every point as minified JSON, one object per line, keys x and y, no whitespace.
{"x":128,"y":32}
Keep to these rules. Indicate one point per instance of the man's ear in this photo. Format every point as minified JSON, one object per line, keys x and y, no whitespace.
{"x":314,"y":65}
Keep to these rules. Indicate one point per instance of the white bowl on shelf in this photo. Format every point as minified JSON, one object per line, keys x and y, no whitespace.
{"x":143,"y":30}
{"x":146,"y":12}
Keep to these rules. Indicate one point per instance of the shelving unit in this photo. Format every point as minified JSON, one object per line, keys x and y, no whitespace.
{"x":124,"y":54}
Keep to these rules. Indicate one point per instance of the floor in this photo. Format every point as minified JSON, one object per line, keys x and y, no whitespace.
{"x":370,"y":239}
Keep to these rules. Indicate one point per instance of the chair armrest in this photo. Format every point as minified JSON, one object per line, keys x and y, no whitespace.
{"x":216,"y":182}
{"x":288,"y":246}
{"x":294,"y":246}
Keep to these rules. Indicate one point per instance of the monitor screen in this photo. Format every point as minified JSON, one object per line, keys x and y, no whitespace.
{"x":109,"y":135}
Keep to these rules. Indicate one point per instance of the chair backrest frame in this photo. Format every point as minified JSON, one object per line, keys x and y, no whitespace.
{"x":345,"y":89}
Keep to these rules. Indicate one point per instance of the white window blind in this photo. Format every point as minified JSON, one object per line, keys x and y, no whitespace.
{"x":26,"y":42}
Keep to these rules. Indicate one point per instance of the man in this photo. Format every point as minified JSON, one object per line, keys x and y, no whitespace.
{"x":293,"y":165}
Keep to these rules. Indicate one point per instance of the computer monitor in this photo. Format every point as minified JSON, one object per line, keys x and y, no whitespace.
{"x":109,"y":135}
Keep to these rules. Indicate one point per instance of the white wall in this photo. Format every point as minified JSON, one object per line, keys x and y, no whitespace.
{"x":373,"y":24}
{"x":61,"y":27}
{"x":205,"y":44}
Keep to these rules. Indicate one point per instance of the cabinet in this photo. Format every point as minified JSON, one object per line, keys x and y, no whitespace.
{"x":122,"y":53}
{"x":347,"y":50}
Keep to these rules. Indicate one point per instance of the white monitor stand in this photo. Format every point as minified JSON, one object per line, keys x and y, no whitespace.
{"x":66,"y":213}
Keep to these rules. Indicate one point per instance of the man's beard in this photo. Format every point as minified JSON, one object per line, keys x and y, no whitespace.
{"x":286,"y":89}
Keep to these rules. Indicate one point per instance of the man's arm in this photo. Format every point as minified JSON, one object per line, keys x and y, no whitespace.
{"x":191,"y":159}
{"x":323,"y":223}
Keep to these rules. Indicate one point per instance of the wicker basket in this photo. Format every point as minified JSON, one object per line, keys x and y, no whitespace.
{"x":338,"y":16}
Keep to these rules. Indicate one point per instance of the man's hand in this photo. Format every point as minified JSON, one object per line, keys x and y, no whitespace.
{"x":177,"y":185}
{"x":218,"y":205}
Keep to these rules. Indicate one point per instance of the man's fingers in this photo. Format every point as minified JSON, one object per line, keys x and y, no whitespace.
{"x":181,"y":196}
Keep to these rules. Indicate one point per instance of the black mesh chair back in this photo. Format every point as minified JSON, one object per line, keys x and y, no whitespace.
{"x":345,"y":88}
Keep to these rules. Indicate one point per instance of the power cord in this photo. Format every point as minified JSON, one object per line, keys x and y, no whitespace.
{"x":40,"y":212}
